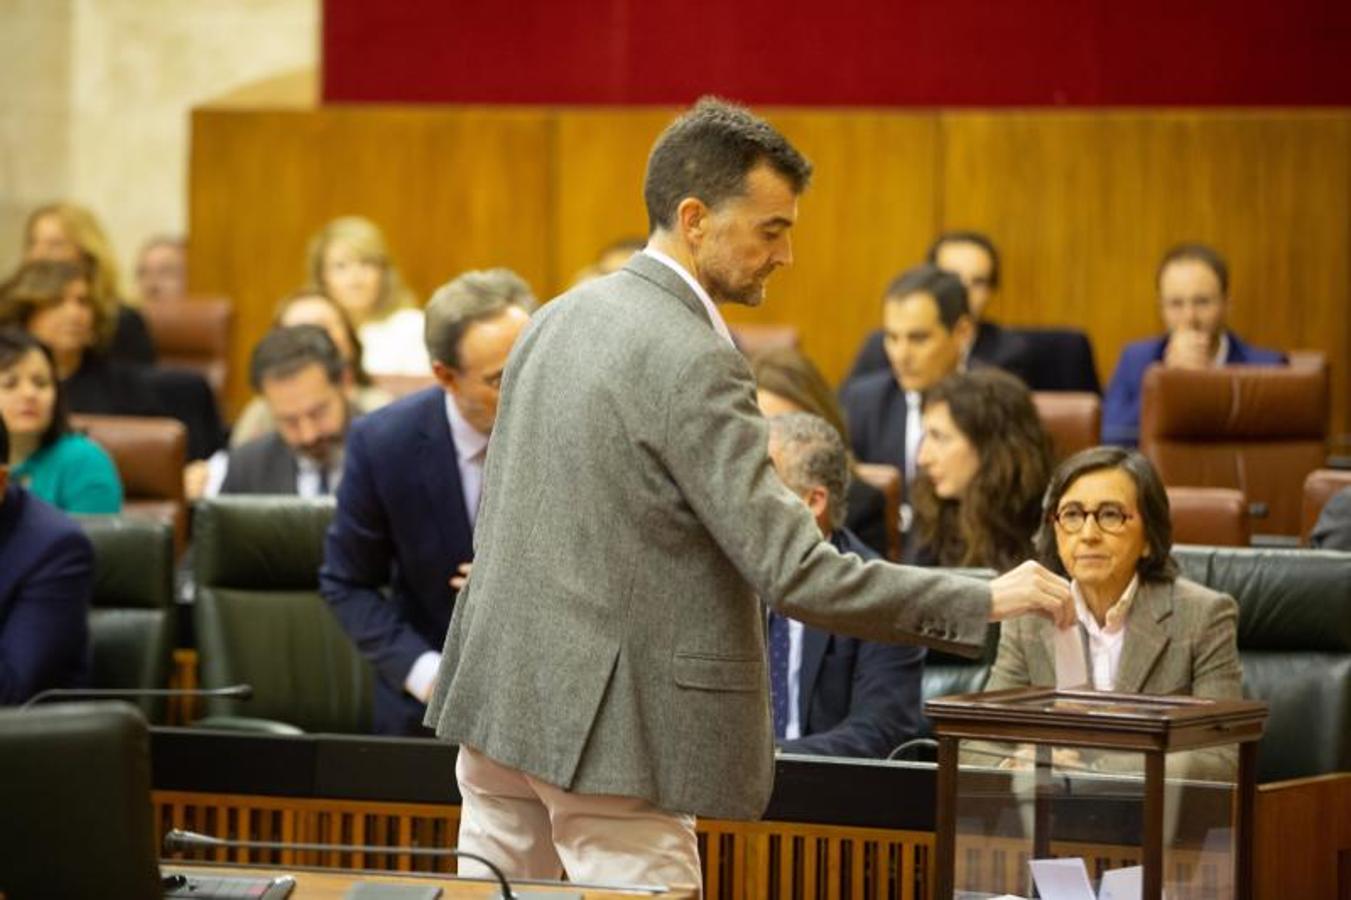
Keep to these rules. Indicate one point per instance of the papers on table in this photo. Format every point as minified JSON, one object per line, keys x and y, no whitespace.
{"x":1071,"y":668}
{"x":1067,"y":879}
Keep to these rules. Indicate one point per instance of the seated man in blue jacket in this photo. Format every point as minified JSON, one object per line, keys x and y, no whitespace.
{"x":409,"y":495}
{"x":834,"y":695}
{"x":46,"y":579}
{"x":1193,"y":285}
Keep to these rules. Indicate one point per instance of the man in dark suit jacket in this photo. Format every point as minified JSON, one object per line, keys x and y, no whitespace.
{"x":928,"y":327}
{"x":972,"y":257}
{"x":834,"y":695}
{"x":46,"y":578}
{"x":1193,"y":282}
{"x":409,"y":496}
{"x":302,"y":377}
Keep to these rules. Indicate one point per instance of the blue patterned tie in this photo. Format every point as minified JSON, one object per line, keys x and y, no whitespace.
{"x":778,"y":671}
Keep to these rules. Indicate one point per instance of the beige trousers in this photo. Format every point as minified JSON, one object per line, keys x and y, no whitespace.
{"x":531,"y":829}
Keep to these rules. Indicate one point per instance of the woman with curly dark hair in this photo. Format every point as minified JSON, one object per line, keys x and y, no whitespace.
{"x":982,"y":468}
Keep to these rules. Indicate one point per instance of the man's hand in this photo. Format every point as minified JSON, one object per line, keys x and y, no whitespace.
{"x":461,"y":575}
{"x":1031,"y":588}
{"x":1188,"y":349}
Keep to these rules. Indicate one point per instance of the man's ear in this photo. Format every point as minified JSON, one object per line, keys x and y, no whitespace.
{"x":4,"y":480}
{"x":692,"y":220}
{"x":818,"y":499}
{"x":445,"y":376}
{"x":964,"y":329}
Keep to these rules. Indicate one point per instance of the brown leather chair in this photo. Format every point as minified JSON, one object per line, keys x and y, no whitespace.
{"x":1318,"y":488}
{"x":752,"y":339}
{"x":1073,"y":419}
{"x":1214,"y":517}
{"x":886,"y":479}
{"x":1258,"y":429}
{"x":194,"y":334}
{"x":150,"y":454}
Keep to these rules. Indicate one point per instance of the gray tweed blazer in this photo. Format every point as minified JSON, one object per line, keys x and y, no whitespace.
{"x":610,"y":639}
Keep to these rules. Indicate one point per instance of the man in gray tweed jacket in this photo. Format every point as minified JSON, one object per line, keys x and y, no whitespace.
{"x":605,"y":672}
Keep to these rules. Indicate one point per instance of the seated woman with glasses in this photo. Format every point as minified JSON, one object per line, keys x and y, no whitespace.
{"x":1145,"y":629}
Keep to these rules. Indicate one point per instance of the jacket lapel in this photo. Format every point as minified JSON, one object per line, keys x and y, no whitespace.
{"x":661,"y":275}
{"x":1146,"y":636}
{"x":439,"y":468}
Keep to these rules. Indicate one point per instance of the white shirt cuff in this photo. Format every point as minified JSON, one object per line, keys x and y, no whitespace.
{"x":423,"y":675}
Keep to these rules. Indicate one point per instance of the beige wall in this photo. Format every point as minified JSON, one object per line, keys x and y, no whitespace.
{"x":95,"y":98}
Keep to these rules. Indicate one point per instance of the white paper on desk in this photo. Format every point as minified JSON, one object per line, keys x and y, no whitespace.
{"x":1071,"y":669}
{"x":1122,"y":884}
{"x":1061,"y":879}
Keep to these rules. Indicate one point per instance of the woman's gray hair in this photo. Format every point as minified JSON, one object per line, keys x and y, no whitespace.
{"x":1151,"y":497}
{"x":812,"y":454}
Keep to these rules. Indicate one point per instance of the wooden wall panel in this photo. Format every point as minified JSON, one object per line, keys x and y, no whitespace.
{"x":1083,"y":205}
{"x":451,"y":191}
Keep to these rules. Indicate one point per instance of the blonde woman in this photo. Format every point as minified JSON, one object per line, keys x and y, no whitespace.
{"x":349,"y":261}
{"x":65,"y":232}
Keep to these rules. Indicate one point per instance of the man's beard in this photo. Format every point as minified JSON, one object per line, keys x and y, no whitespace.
{"x":751,"y":293}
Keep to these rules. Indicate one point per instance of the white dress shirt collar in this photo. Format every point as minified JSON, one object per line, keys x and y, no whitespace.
{"x":719,"y":324}
{"x":1105,"y":641}
{"x":469,"y":441}
{"x":1222,"y":350}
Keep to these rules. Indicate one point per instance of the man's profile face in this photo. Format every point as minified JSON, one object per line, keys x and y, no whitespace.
{"x":161,"y":273}
{"x":477,"y":384}
{"x":922,"y":351}
{"x":973,"y":265}
{"x":736,"y":246}
{"x":1190,"y":298}
{"x":310,"y":412}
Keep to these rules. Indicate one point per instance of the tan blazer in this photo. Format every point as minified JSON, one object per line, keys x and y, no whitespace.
{"x":610,"y":639}
{"x":1181,"y":638}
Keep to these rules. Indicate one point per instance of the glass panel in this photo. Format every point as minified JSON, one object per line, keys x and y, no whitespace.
{"x":1020,"y":802}
{"x":1199,"y":847}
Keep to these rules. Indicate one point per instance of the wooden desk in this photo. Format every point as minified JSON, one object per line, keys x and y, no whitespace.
{"x":326,"y":884}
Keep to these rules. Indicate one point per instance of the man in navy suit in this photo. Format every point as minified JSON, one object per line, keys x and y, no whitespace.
{"x":409,"y":496}
{"x":927,"y":323}
{"x":834,"y":695}
{"x":1193,"y":283}
{"x":46,"y":579}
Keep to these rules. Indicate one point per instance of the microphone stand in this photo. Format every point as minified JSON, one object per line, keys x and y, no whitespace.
{"x":178,"y":840}
{"x":231,"y":692}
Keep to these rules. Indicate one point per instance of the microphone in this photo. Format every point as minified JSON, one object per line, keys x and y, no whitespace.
{"x":231,"y":692}
{"x":177,"y":840}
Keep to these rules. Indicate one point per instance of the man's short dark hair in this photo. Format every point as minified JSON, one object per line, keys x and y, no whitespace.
{"x":708,"y":152}
{"x":1193,"y":252}
{"x":475,"y":296}
{"x":285,"y":351}
{"x":946,"y":289}
{"x":980,"y":239}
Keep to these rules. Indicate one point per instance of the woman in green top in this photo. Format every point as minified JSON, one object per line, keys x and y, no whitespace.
{"x":66,"y":469}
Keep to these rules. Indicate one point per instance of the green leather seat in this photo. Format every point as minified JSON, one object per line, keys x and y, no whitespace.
{"x":260,"y":620}
{"x":1294,"y":639}
{"x":75,"y":796}
{"x":132,"y":620}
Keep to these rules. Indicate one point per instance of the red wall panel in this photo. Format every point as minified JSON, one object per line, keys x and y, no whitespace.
{"x":847,"y":52}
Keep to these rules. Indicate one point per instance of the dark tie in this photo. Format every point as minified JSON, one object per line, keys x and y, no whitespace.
{"x":778,"y":671}
{"x":323,"y":480}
